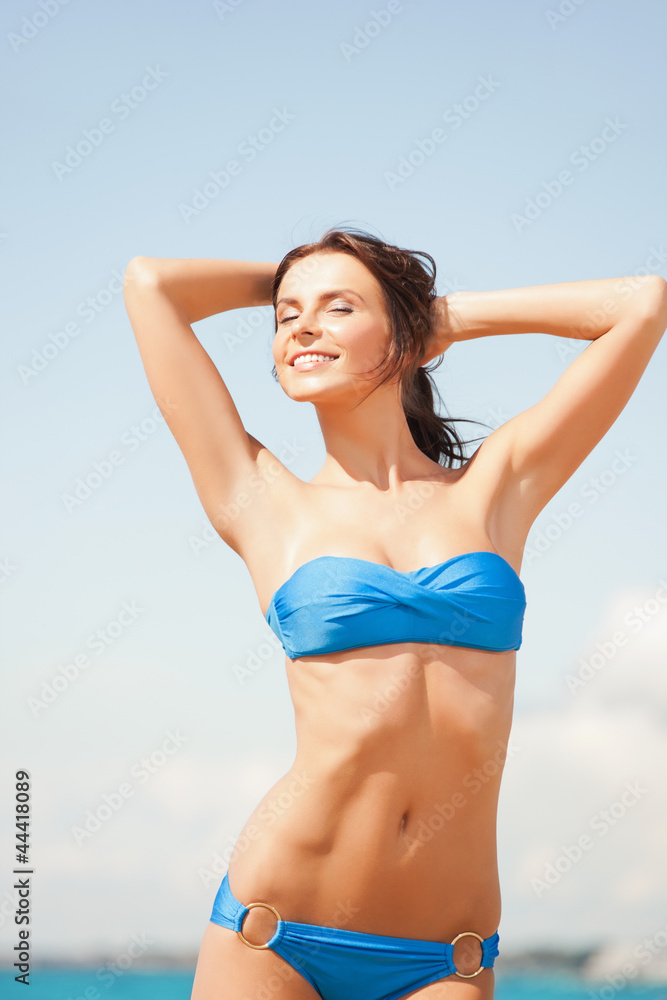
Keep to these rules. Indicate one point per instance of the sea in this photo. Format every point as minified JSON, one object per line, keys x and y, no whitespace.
{"x":81,"y":984}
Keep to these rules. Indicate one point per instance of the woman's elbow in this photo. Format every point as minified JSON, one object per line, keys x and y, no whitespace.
{"x":654,"y":288}
{"x":139,"y":271}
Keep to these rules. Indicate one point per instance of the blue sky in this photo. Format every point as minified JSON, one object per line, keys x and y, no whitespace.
{"x":166,"y":95}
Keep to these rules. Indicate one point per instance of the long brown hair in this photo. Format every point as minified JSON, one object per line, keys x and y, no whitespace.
{"x":408,"y":289}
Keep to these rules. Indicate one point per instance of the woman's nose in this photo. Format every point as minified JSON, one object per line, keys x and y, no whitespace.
{"x":305,"y":324}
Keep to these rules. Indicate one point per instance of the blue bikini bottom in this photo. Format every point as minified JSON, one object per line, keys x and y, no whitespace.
{"x":335,"y":961}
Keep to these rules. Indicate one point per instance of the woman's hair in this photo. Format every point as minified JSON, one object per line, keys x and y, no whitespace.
{"x":408,"y":289}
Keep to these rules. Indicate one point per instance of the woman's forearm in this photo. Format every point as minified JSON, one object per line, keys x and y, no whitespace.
{"x":202,"y":287}
{"x":582,"y":310}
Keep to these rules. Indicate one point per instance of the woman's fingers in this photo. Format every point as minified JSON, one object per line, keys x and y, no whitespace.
{"x":440,"y":334}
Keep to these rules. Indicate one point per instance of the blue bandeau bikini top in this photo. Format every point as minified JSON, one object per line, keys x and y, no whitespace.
{"x":333,"y":603}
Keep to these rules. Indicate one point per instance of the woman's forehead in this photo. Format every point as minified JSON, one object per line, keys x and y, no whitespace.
{"x":324,"y":272}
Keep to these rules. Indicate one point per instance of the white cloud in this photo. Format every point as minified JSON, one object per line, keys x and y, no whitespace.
{"x":592,"y":767}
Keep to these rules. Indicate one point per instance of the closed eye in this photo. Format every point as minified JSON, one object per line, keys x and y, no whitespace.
{"x":346,"y":309}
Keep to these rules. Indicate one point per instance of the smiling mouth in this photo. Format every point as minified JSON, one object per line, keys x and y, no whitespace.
{"x":308,"y":361}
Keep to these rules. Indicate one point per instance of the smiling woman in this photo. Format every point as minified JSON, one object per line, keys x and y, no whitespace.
{"x":400,"y":633}
{"x":374,"y":289}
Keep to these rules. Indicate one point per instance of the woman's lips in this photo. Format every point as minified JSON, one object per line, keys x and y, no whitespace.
{"x":306,"y":366}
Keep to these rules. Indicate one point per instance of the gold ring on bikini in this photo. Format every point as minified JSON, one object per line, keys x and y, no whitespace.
{"x":249,"y":907}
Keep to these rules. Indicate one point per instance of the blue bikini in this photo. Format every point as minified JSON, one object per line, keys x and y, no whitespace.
{"x":341,"y":964}
{"x":334,"y":603}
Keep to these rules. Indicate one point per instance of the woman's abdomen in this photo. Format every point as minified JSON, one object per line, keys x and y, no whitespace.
{"x":386,"y":820}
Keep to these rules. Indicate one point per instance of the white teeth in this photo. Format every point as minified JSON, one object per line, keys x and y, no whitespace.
{"x":305,"y":358}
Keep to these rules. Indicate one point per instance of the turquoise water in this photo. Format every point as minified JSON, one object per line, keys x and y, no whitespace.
{"x":82,"y":985}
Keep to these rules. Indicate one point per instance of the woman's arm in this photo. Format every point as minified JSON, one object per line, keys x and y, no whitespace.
{"x":580,"y":310}
{"x":205,"y":287}
{"x":624,"y":318}
{"x":163,"y":297}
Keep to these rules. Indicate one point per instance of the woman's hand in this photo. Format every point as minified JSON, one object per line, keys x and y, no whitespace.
{"x":441,"y":334}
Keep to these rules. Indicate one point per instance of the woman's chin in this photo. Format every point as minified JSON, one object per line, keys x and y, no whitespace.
{"x":310,"y":394}
{"x":322,"y":389}
{"x":307,"y":387}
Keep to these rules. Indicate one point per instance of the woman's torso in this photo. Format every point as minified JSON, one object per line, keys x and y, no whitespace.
{"x":386,"y":821}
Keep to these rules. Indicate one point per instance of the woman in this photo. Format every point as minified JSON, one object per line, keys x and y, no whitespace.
{"x":391,"y":579}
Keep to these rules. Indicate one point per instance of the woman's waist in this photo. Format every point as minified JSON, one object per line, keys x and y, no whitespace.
{"x":313,"y":845}
{"x":319,"y":818}
{"x":384,"y":790}
{"x":436,"y":889}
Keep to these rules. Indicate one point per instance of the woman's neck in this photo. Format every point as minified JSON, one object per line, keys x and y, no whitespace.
{"x":370,"y":444}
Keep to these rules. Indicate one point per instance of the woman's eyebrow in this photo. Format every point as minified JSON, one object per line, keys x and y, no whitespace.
{"x":323,"y":296}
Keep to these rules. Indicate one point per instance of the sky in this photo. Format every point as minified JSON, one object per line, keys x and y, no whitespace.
{"x":120,"y":593}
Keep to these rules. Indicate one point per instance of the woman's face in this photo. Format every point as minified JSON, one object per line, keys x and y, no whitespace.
{"x":329,"y":304}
